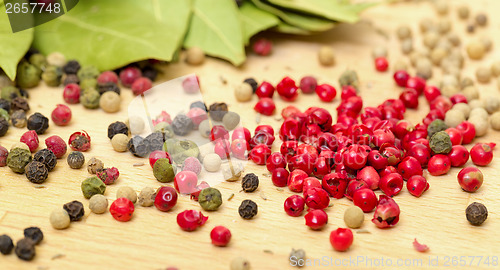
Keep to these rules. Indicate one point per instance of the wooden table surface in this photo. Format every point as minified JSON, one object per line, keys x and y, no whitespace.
{"x":152,"y":240}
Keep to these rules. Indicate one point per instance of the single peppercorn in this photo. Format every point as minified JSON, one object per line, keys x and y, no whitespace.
{"x":248,"y":209}
{"x":6,"y":244}
{"x":52,"y":76}
{"x":88,"y":83}
{"x":476,"y":213}
{"x":10,"y":92}
{"x":127,"y":192}
{"x":297,"y":255}
{"x":88,"y":72}
{"x":107,"y":87}
{"x":38,"y":122}
{"x":71,"y":67}
{"x":150,"y":73}
{"x":94,"y":165}
{"x":75,"y":210}
{"x":181,"y":150}
{"x":59,"y":219}
{"x":19,"y":103}
{"x":34,"y":233}
{"x":76,"y":159}
{"x":110,"y":102}
{"x":435,"y":127}
{"x":252,"y":82}
{"x":349,"y":77}
{"x":91,"y":186}
{"x":217,"y":111}
{"x":154,"y":141}
{"x":25,"y":249}
{"x":4,"y":114}
{"x":28,"y":75}
{"x":18,"y":119}
{"x":98,"y":204}
{"x":137,"y":146}
{"x":198,"y":104}
{"x":36,"y":172}
{"x":147,"y":196}
{"x":250,"y":182}
{"x":354,"y":217}
{"x":182,"y":125}
{"x":239,"y":263}
{"x":38,"y":60}
{"x":70,"y":79}
{"x":90,"y":99}
{"x":4,"y":127}
{"x":210,"y":199}
{"x":18,"y":158}
{"x":5,"y":104}
{"x":117,"y":128}
{"x":231,"y":120}
{"x":47,"y":157}
{"x":163,"y":171}
{"x":440,"y":143}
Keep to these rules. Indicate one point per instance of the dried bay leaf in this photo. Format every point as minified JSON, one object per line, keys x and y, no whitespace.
{"x":110,"y":35}
{"x":255,"y":20}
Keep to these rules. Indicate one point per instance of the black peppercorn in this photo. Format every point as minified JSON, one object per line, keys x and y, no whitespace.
{"x":252,"y":82}
{"x":36,"y":172}
{"x":18,"y":119}
{"x":155,"y":141}
{"x":34,"y":233}
{"x":476,"y":213}
{"x":75,"y":210}
{"x":248,"y":209}
{"x":6,"y":244}
{"x":24,"y":93}
{"x":109,"y":86}
{"x":198,"y":104}
{"x":76,"y":159}
{"x":182,"y":125}
{"x":47,"y":157}
{"x":150,"y":73}
{"x":217,"y":111}
{"x":5,"y":104}
{"x":137,"y":146}
{"x":117,"y":127}
{"x":25,"y":249}
{"x":250,"y":182}
{"x":19,"y":103}
{"x":71,"y":78}
{"x":72,"y":67}
{"x":38,"y":122}
{"x":4,"y":126}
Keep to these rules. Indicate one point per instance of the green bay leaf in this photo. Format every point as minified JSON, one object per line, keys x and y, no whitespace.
{"x":286,"y":28}
{"x":216,"y":29}
{"x":13,"y":45}
{"x":110,"y":34}
{"x":255,"y":20}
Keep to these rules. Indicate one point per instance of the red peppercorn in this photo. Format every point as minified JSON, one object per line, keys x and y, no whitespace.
{"x":409,"y":167}
{"x":203,"y":185}
{"x":468,"y":131}
{"x":107,"y":77}
{"x":218,"y":132}
{"x":108,"y":176}
{"x":122,"y":209}
{"x":481,"y":154}
{"x":347,"y":92}
{"x":401,"y":77}
{"x":416,"y":83}
{"x":290,"y":130}
{"x":79,"y":141}
{"x":265,"y":106}
{"x":303,"y":162}
{"x":262,"y":47}
{"x":353,"y":186}
{"x":260,"y":154}
{"x":381,"y":64}
{"x":308,"y":84}
{"x":316,"y":198}
{"x":311,"y":182}
{"x":290,"y":111}
{"x":439,"y":165}
{"x":287,"y":89}
{"x":264,"y":128}
{"x":421,"y":153}
{"x":190,"y":220}
{"x":370,"y":176}
{"x":262,"y":137}
{"x":321,"y":167}
{"x":316,"y":219}
{"x":4,"y":153}
{"x":220,"y":236}
{"x":265,"y":89}
{"x":455,"y":136}
{"x":341,"y":239}
{"x":289,"y":149}
{"x":129,"y":75}
{"x":57,"y":145}
{"x":275,"y":160}
{"x":417,"y":185}
{"x":441,"y":103}
{"x":335,"y":184}
{"x":280,"y":177}
{"x":381,"y":136}
{"x":391,"y":184}
{"x":409,"y":98}
{"x":458,"y":98}
{"x":326,"y":92}
{"x":355,"y":157}
{"x":191,"y":85}
{"x":470,"y":179}
{"x":166,"y":198}
{"x":71,"y":93}
{"x":141,"y":85}
{"x":222,"y":148}
{"x":431,"y":92}
{"x":387,"y":212}
{"x":241,"y":133}
{"x":239,"y":148}
{"x":296,"y":180}
{"x":458,"y":155}
{"x":185,"y":182}
{"x":61,"y":115}
{"x":294,"y":205}
{"x":377,"y":160}
{"x":365,"y":199}
{"x":157,"y":154}
{"x":30,"y":138}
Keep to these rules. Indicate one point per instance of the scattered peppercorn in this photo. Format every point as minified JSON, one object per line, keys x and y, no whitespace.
{"x":47,"y":157}
{"x":90,"y":99}
{"x":10,"y":92}
{"x":231,"y":120}
{"x":248,"y":209}
{"x":75,"y":210}
{"x":436,"y":126}
{"x":240,"y":263}
{"x":108,"y":87}
{"x":71,"y":67}
{"x":297,"y":255}
{"x":19,"y":103}
{"x":117,"y":128}
{"x":59,"y":219}
{"x":110,"y":102}
{"x":154,"y":141}
{"x":36,"y":172}
{"x":4,"y":127}
{"x":182,"y":125}
{"x":181,"y":150}
{"x":243,"y":92}
{"x":150,"y":73}
{"x":18,"y":119}
{"x":87,"y":72}
{"x":34,"y":233}
{"x":91,"y":186}
{"x":137,"y":146}
{"x":195,"y":56}
{"x":5,"y":104}
{"x":38,"y":122}
{"x":147,"y":196}
{"x":80,"y":141}
{"x":94,"y":165}
{"x":25,"y":249}
{"x":252,"y":82}
{"x":127,"y":192}
{"x":28,"y":75}
{"x":18,"y":158}
{"x":6,"y":244}
{"x":326,"y":56}
{"x":163,"y":170}
{"x":250,"y":182}
{"x":98,"y":204}
{"x":198,"y":104}
{"x":4,"y":153}
{"x":52,"y":76}
{"x":440,"y":143}
{"x":76,"y":159}
{"x":354,"y":217}
{"x":109,"y":175}
{"x":119,"y":142}
{"x":218,"y":110}
{"x":210,"y":199}
{"x":349,"y":77}
{"x":476,"y":213}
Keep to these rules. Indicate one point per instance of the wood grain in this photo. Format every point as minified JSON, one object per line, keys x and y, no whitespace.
{"x":152,"y":240}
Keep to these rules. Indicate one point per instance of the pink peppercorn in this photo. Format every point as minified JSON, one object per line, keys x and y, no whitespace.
{"x":79,"y":141}
{"x":220,"y":236}
{"x":57,"y":145}
{"x":30,"y":138}
{"x":108,"y":175}
{"x":71,"y":93}
{"x":162,"y":117}
{"x":129,"y":75}
{"x":122,"y":209}
{"x":3,"y":156}
{"x":185,"y":182}
{"x":61,"y":115}
{"x":192,"y":164}
{"x":197,"y":115}
{"x":265,"y":106}
{"x":157,"y":154}
{"x":190,"y":220}
{"x":191,"y":85}
{"x":141,"y":85}
{"x":107,"y":77}
{"x":263,"y":47}
{"x":308,"y":84}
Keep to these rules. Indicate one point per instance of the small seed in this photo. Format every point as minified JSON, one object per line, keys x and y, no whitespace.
{"x":463,"y":107}
{"x":98,"y":204}
{"x":127,"y":192}
{"x":195,"y":56}
{"x":354,"y":217}
{"x":379,"y":51}
{"x":477,"y":103}
{"x":59,"y":219}
{"x":480,"y":124}
{"x":470,"y":92}
{"x":475,"y":49}
{"x":407,"y":46}
{"x":243,"y":92}
{"x":481,"y":19}
{"x":492,"y":104}
{"x":495,"y":121}
{"x":463,"y":12}
{"x":483,"y":74}
{"x":453,"y":118}
{"x":403,"y":32}
{"x":326,"y":56}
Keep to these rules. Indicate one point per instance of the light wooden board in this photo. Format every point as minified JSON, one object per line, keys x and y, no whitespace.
{"x":152,"y":240}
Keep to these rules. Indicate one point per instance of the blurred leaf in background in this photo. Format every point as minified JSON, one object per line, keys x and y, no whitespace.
{"x":255,"y":20}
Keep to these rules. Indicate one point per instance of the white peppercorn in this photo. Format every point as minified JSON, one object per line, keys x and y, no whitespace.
{"x":243,"y":92}
{"x":437,"y":55}
{"x":453,"y":118}
{"x":326,"y":56}
{"x":94,"y":165}
{"x":379,"y":51}
{"x":401,"y":65}
{"x":424,"y":68}
{"x":231,"y":120}
{"x":110,"y":102}
{"x":59,"y":219}
{"x":495,"y":121}
{"x":239,"y":263}
{"x":476,"y":103}
{"x":136,"y":124}
{"x":147,"y":196}
{"x":195,"y":56}
{"x":449,"y":90}
{"x":205,"y":150}
{"x":495,"y":68}
{"x":487,"y":42}
{"x":463,"y":12}
{"x":444,"y":26}
{"x":98,"y":204}
{"x":403,"y":32}
{"x":354,"y":217}
{"x":407,"y":46}
{"x":120,"y":142}
{"x":475,"y":49}
{"x":479,"y":112}
{"x":481,"y":125}
{"x":212,"y":162}
{"x":483,"y":74}
{"x":441,"y":7}
{"x":127,"y":192}
{"x":465,"y":82}
{"x":454,"y":39}
{"x":470,"y":92}
{"x":425,"y":25}
{"x":449,"y":80}
{"x":463,"y":107}
{"x":205,"y":128}
{"x":431,"y":39}
{"x":56,"y":59}
{"x":492,"y":104}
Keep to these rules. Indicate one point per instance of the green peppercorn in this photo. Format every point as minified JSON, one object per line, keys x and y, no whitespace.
{"x":91,"y":186}
{"x":10,"y":92}
{"x":476,"y":213}
{"x":210,"y":199}
{"x":440,"y":143}
{"x":28,"y":75}
{"x":163,"y":170}
{"x":436,"y":126}
{"x":349,"y":77}
{"x":38,"y":60}
{"x":90,"y":99}
{"x":88,"y":83}
{"x":250,"y":182}
{"x":88,"y":72}
{"x":52,"y":76}
{"x":36,"y":172}
{"x":18,"y":158}
{"x":184,"y":149}
{"x":4,"y":114}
